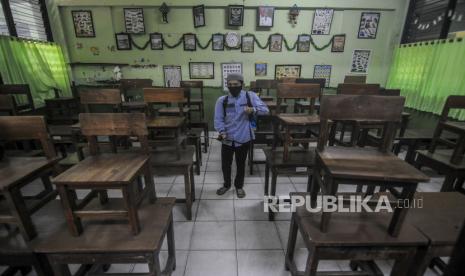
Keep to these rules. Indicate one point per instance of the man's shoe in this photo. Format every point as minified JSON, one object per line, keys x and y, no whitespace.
{"x":222,"y":190}
{"x":240,"y":193}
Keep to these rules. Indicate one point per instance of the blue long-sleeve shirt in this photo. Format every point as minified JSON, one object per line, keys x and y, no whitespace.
{"x":236,"y":125}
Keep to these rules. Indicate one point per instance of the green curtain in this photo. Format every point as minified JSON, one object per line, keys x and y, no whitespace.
{"x":39,"y":64}
{"x":428,"y":72}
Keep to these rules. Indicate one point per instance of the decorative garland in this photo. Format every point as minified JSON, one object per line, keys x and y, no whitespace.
{"x":203,"y":47}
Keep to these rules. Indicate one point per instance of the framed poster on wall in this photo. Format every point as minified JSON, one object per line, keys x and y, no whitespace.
{"x":265,"y":16}
{"x":83,"y":23}
{"x":123,"y":41}
{"x":172,"y":75}
{"x":201,"y":70}
{"x":261,"y":69}
{"x":322,"y":20}
{"x":339,"y":42}
{"x":228,"y":68}
{"x":360,"y":61}
{"x":369,"y":22}
{"x":134,"y":20}
{"x":287,"y":71}
{"x":235,"y":15}
{"x":323,"y":72}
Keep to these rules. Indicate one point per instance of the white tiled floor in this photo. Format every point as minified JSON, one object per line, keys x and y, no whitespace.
{"x":231,"y":236}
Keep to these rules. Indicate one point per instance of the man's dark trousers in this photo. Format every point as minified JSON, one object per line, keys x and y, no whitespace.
{"x":227,"y":153}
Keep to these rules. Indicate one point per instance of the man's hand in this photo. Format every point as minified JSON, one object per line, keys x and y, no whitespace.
{"x":249,"y":110}
{"x":222,"y":136}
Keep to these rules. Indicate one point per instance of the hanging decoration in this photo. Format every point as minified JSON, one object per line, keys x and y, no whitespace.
{"x":164,"y":9}
{"x":293,"y":14}
{"x":237,"y":45}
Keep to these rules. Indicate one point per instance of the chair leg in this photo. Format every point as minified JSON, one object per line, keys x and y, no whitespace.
{"x":188,"y":192}
{"x":292,"y":239}
{"x":448,"y":184}
{"x":131,"y":206}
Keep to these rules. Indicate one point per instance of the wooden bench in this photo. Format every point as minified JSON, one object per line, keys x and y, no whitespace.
{"x":359,"y":237}
{"x":108,"y":243}
{"x":301,"y":106}
{"x":101,"y":172}
{"x":447,"y":161}
{"x":93,"y":98}
{"x":17,"y":172}
{"x":363,"y":166}
{"x":19,"y":90}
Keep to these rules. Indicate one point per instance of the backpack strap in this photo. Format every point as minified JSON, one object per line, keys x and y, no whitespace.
{"x":249,"y":102}
{"x":225,"y":104}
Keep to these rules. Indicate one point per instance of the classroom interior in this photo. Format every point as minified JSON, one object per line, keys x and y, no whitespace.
{"x":116,"y":117}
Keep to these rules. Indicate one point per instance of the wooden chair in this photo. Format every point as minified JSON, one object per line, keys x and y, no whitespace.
{"x":7,"y":105}
{"x":17,"y":172}
{"x":108,"y":243}
{"x":166,"y":129}
{"x":288,"y":80}
{"x":355,"y":79}
{"x":262,"y":84}
{"x":290,"y":122}
{"x":196,"y":101}
{"x":132,"y":84}
{"x":358,"y":89}
{"x":447,"y":161}
{"x":363,"y":166}
{"x":300,"y":106}
{"x":358,"y":237}
{"x":101,"y":97}
{"x":19,"y":90}
{"x":101,"y":172}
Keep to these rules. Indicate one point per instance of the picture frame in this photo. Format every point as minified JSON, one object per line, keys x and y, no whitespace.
{"x":156,"y":41}
{"x":134,"y":20}
{"x":198,"y":13}
{"x":287,"y":71}
{"x":369,"y":22}
{"x":235,"y":15}
{"x":276,"y":43}
{"x":261,"y":69}
{"x":229,"y":68}
{"x":360,"y":61}
{"x":218,"y":42}
{"x":303,"y":43}
{"x":201,"y":70}
{"x":322,"y":20}
{"x":247,"y":44}
{"x":323,"y":71}
{"x":83,"y":23}
{"x":265,"y":16}
{"x":123,"y":41}
{"x":339,"y":42}
{"x":190,"y":42}
{"x":172,"y":75}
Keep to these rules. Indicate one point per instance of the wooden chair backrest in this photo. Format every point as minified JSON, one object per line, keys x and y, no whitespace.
{"x":287,"y":80}
{"x":100,"y":97}
{"x":308,"y":91}
{"x":21,"y":128}
{"x":452,"y":102}
{"x":7,"y":104}
{"x":20,"y":90}
{"x":361,"y":108}
{"x":113,"y":124}
{"x":355,"y":79}
{"x":165,"y":95}
{"x":193,"y":84}
{"x":266,"y":84}
{"x":390,"y":92}
{"x":321,"y":82}
{"x":128,"y":84}
{"x":358,"y":89}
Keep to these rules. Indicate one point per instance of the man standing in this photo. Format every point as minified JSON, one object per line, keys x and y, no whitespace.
{"x":234,"y":114}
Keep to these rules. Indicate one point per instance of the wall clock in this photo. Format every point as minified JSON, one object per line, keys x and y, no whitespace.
{"x":233,"y":40}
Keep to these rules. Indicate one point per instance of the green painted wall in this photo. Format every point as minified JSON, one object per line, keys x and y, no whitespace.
{"x":108,"y":20}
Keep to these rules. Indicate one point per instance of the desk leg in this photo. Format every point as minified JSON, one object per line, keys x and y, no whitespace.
{"x":312,"y":262}
{"x":274,"y":177}
{"x":154,"y":264}
{"x":287,"y":141}
{"x":171,"y":262}
{"x":289,"y":259}
{"x":400,"y":213}
{"x":402,"y":265}
{"x":267,"y":177}
{"x":188,"y":192}
{"x":411,"y":149}
{"x":331,"y":189}
{"x":60,"y":269}
{"x":131,"y":205}
{"x":19,"y":211}
{"x":69,"y":206}
{"x":448,"y":184}
{"x":192,"y":179}
{"x":149,"y":183}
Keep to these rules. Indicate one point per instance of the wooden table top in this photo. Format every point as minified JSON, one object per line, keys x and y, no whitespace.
{"x":120,"y":168}
{"x":13,"y":170}
{"x":443,"y":156}
{"x":165,"y":122}
{"x":110,"y":237}
{"x":299,"y":119}
{"x":369,"y":164}
{"x":357,"y":229}
{"x":441,"y":217}
{"x":46,"y":221}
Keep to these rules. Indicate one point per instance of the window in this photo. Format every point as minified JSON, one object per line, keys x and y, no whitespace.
{"x":3,"y":24}
{"x":25,"y":18}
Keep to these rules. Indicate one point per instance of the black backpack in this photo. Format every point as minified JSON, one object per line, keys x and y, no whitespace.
{"x":225,"y":104}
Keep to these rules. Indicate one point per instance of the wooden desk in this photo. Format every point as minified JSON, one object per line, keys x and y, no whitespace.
{"x":109,"y":243}
{"x":364,"y":166}
{"x":440,"y":220}
{"x":355,"y":237}
{"x":135,"y":106}
{"x":15,"y":173}
{"x":168,"y":123}
{"x":102,"y":172}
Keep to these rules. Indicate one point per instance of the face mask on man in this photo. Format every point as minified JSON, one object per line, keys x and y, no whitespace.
{"x":235,"y":90}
